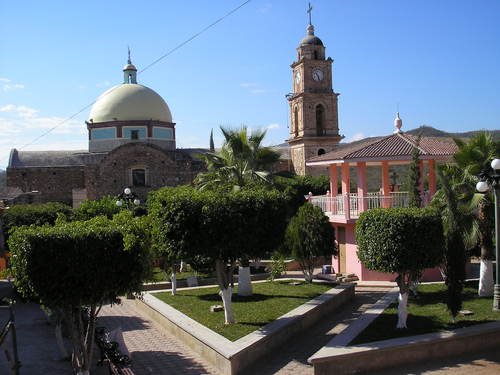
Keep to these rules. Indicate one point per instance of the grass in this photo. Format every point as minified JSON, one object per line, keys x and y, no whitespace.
{"x":428,"y":313}
{"x":160,"y":275}
{"x":269,"y":301}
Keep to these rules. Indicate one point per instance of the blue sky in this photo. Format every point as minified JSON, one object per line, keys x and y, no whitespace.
{"x":440,"y":60}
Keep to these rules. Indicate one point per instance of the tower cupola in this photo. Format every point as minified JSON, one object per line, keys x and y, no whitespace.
{"x":129,"y":71}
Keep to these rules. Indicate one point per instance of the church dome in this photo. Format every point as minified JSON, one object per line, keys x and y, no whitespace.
{"x":310,"y":38}
{"x":129,"y":101}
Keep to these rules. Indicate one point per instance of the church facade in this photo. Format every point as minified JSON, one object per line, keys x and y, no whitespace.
{"x":131,"y":144}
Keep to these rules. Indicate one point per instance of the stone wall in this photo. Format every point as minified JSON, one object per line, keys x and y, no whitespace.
{"x":52,"y":183}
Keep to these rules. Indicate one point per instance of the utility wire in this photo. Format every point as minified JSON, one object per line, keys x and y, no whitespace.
{"x":206,"y":28}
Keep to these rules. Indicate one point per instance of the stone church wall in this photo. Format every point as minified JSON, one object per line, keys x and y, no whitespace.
{"x":54,"y":184}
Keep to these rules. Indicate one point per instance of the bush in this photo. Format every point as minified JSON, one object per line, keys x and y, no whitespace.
{"x":75,"y":265}
{"x":32,"y":214}
{"x":89,"y":209}
{"x":297,"y":187}
{"x":308,"y":236}
{"x":399,"y":239}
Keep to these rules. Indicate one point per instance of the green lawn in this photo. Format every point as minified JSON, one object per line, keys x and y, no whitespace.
{"x":270,"y":300}
{"x":160,"y":275}
{"x":428,"y":313}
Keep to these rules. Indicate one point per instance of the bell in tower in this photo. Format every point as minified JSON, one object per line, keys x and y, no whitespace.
{"x":314,"y":126}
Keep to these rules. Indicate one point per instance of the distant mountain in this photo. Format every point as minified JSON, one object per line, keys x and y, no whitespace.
{"x":429,"y":131}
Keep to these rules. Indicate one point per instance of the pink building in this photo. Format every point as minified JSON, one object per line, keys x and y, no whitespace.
{"x":344,"y":205}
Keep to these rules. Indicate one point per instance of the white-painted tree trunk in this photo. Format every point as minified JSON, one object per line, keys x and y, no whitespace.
{"x":244,"y":281}
{"x":173,"y":279}
{"x":486,"y":278}
{"x":86,"y":372}
{"x":226,"y":295}
{"x":402,"y":310}
{"x":183,"y":265}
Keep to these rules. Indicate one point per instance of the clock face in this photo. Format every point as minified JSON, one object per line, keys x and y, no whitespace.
{"x":318,"y":75}
{"x":297,"y":78}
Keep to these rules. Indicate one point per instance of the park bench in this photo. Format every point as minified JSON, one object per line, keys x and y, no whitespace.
{"x":118,"y":363}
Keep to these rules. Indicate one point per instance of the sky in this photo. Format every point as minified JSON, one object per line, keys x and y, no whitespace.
{"x":437,"y":61}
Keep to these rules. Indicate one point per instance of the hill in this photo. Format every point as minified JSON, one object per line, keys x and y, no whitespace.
{"x":429,"y":131}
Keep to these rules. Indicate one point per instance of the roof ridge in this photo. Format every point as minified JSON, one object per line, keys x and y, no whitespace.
{"x":369,"y":145}
{"x":403,"y":136}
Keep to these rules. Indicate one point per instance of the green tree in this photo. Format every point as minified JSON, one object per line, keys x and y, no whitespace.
{"x":309,"y":235}
{"x":473,"y":157}
{"x":241,"y":159}
{"x":400,"y":240}
{"x":457,"y":221}
{"x":89,"y":209}
{"x":222,"y":227}
{"x":79,"y":264}
{"x":212,"y":145}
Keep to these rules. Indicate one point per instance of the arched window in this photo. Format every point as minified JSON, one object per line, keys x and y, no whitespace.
{"x":315,"y":55}
{"x":321,"y":151}
{"x":296,"y":121}
{"x":320,"y":119}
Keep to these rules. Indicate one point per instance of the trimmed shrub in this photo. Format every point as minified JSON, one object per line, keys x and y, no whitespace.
{"x":399,"y":239}
{"x":77,"y":264}
{"x":33,"y":214}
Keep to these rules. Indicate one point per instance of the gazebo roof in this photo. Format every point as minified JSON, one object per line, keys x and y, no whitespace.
{"x":397,"y":146}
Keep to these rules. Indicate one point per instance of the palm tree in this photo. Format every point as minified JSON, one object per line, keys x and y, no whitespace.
{"x":474,"y":157}
{"x":241,"y":159}
{"x":452,"y":200}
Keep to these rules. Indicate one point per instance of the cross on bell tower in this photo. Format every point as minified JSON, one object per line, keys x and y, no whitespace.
{"x":314,"y":126}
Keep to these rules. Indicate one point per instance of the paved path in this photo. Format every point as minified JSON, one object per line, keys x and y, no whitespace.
{"x":156,"y":352}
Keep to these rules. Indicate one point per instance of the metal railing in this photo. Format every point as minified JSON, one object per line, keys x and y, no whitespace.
{"x":350,"y":206}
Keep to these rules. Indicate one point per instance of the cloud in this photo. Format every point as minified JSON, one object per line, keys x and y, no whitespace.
{"x":355,"y":137}
{"x":8,"y":85}
{"x":258,"y":91}
{"x":248,"y":84}
{"x":273,"y":126}
{"x":20,"y":125}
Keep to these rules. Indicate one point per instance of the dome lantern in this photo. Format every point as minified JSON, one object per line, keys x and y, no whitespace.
{"x":129,"y":71}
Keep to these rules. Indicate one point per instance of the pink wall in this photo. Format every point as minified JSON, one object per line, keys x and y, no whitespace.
{"x":353,"y":265}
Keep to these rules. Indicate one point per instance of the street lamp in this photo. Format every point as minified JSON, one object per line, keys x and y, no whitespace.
{"x":488,"y":179}
{"x":129,"y":197}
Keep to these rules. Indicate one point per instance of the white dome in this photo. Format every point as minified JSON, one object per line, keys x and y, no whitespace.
{"x":130,"y":102}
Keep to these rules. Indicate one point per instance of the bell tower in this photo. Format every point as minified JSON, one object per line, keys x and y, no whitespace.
{"x":314,"y":127}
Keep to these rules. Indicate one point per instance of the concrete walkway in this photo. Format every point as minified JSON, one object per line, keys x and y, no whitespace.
{"x":159,"y":353}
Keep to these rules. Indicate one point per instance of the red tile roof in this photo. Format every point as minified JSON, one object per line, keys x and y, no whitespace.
{"x":398,"y":146}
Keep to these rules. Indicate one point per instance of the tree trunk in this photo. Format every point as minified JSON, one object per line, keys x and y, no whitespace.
{"x":402,"y":310}
{"x":403,"y":299}
{"x":486,"y":242}
{"x":486,"y":278}
{"x":307,"y":267}
{"x":226,"y":295}
{"x":244,"y":281}
{"x":224,"y":275}
{"x":173,"y":279}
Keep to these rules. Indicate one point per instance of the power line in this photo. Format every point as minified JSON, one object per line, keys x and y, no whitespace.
{"x":206,"y":28}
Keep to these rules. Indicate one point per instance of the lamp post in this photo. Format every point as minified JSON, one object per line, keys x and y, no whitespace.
{"x":487,"y":180}
{"x":129,"y":197}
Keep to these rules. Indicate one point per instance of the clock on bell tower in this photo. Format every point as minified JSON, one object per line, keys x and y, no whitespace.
{"x":314,"y":126}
